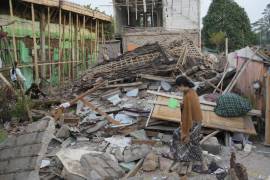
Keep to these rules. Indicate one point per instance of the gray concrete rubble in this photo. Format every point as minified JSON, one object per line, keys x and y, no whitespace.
{"x":21,"y":154}
{"x":150,"y":162}
{"x":212,"y":145}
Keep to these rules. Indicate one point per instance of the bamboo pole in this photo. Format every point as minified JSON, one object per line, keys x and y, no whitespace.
{"x":35,"y":43}
{"x":77,"y":43}
{"x":12,"y":31}
{"x":63,"y":50}
{"x":49,"y":46}
{"x":83,"y":44}
{"x":70,"y":52}
{"x":91,"y":43}
{"x":42,"y":29}
{"x":59,"y":47}
{"x":267,"y":111}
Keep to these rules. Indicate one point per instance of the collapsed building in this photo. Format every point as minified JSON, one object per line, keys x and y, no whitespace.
{"x":114,"y":118}
{"x":139,"y":22}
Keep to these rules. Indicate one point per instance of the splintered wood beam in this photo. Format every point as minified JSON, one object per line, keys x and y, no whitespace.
{"x":35,"y":43}
{"x":94,"y":108}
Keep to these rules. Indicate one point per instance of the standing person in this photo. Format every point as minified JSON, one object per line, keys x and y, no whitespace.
{"x":16,"y":75}
{"x":186,"y":139}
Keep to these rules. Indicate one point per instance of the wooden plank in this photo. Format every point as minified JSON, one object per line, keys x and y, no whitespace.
{"x":267,"y":111}
{"x":165,"y":113}
{"x":35,"y":43}
{"x":12,"y":31}
{"x":156,"y":78}
{"x":42,"y":29}
{"x":210,"y":119}
{"x":151,"y":112}
{"x":123,"y":85}
{"x":253,"y":112}
{"x":83,"y":45}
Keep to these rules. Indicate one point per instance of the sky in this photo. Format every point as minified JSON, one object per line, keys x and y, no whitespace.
{"x":254,"y":8}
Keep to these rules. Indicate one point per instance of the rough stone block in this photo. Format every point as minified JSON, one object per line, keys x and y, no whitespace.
{"x":7,"y":177}
{"x":3,"y":166}
{"x":150,"y":163}
{"x":9,"y":142}
{"x":165,"y":164}
{"x":31,"y":138}
{"x":136,"y":152}
{"x":63,"y":132}
{"x":30,"y":150}
{"x":212,"y":145}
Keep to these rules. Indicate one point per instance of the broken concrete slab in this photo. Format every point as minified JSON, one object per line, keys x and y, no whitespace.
{"x":140,"y":134}
{"x":150,"y":162}
{"x":130,"y":153}
{"x":165,"y":137}
{"x":101,"y":166}
{"x":21,"y":155}
{"x":115,"y":99}
{"x":212,"y":145}
{"x":98,"y":126}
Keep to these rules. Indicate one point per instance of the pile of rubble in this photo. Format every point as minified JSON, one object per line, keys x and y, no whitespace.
{"x":107,"y":129}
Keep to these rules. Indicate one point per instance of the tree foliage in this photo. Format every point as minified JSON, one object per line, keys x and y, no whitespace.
{"x":262,"y":26}
{"x":217,"y":39}
{"x":228,"y":17}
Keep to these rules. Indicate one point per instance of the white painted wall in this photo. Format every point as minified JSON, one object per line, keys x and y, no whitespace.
{"x":181,"y":14}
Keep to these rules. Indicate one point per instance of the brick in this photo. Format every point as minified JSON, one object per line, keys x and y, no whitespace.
{"x":9,"y":142}
{"x":21,"y":164}
{"x":28,"y":175}
{"x":27,"y":139}
{"x":8,"y":153}
{"x":7,"y":177}
{"x":30,"y":150}
{"x":3,"y":166}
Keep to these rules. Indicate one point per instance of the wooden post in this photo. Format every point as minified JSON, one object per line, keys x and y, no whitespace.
{"x":59,"y":48}
{"x":267,"y":111}
{"x":42,"y":26}
{"x":35,"y":43}
{"x":91,"y":42}
{"x":12,"y":31}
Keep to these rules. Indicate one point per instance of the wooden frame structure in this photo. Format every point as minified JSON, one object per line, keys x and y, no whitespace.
{"x":73,"y":20}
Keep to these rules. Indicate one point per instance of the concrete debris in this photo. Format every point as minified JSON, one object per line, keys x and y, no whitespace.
{"x":119,"y":141}
{"x":212,"y":145}
{"x":150,"y":162}
{"x":165,"y":164}
{"x":248,"y":148}
{"x":100,"y":167}
{"x":124,"y":119}
{"x":165,"y":86}
{"x":139,"y":134}
{"x":127,"y":166}
{"x":21,"y":155}
{"x":97,"y":126}
{"x":63,"y":132}
{"x":133,"y":93}
{"x":115,"y":99}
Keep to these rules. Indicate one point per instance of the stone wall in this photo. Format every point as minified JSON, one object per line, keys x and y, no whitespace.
{"x":21,"y":154}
